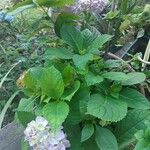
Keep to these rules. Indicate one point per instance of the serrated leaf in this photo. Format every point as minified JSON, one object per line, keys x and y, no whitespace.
{"x":51,"y":82}
{"x":105,"y":139}
{"x":81,"y":61}
{"x":116,"y":76}
{"x":99,"y":42}
{"x":134,"y":78}
{"x":107,"y":108}
{"x":89,"y":37}
{"x":72,"y":37}
{"x":87,"y":132}
{"x":69,"y":93}
{"x":134,"y":99}
{"x":92,"y":79}
{"x":58,"y":53}
{"x":56,"y":113}
{"x":134,"y":121}
{"x":64,"y":19}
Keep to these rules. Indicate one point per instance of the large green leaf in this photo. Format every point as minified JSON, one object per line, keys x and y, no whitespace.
{"x":107,"y":108}
{"x":134,"y":99}
{"x":105,"y":139}
{"x":64,"y":19}
{"x":116,"y":76}
{"x":56,"y":113}
{"x":92,"y":79}
{"x":99,"y":42}
{"x":87,"y":132}
{"x":70,"y":92}
{"x":134,"y":121}
{"x":134,"y":78}
{"x":73,"y":37}
{"x":58,"y":53}
{"x":51,"y":82}
{"x":81,"y":61}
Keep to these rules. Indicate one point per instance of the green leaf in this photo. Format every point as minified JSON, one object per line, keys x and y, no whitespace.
{"x":143,"y":145}
{"x":68,"y":74}
{"x":25,"y":105}
{"x":134,"y":78}
{"x":51,"y":82}
{"x":99,"y":42}
{"x":21,"y":4}
{"x":113,"y":63}
{"x":54,"y":3}
{"x":92,"y":79}
{"x":25,"y":117}
{"x":90,"y":144}
{"x":72,"y":37}
{"x":78,"y":106}
{"x":58,"y":53}
{"x":56,"y":113}
{"x":89,"y":36}
{"x":116,"y":76}
{"x":107,"y":108}
{"x":134,"y":99}
{"x":143,"y":139}
{"x":69,"y":93}
{"x":64,"y":19}
{"x":81,"y":61}
{"x":74,"y":136}
{"x":105,"y":139}
{"x":87,"y":132}
{"x":134,"y":121}
{"x":30,"y":80}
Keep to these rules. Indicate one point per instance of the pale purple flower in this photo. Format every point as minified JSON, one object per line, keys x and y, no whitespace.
{"x":39,"y":135}
{"x":96,"y":6}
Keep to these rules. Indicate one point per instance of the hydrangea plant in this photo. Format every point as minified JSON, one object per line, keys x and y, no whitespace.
{"x":97,"y":101}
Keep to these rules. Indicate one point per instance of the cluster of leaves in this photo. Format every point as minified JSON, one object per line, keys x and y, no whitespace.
{"x":86,"y":94}
{"x":125,"y":19}
{"x":96,"y":101}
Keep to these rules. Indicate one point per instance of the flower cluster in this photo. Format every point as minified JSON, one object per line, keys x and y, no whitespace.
{"x":38,"y":134}
{"x":96,"y":6}
{"x":5,"y":17}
